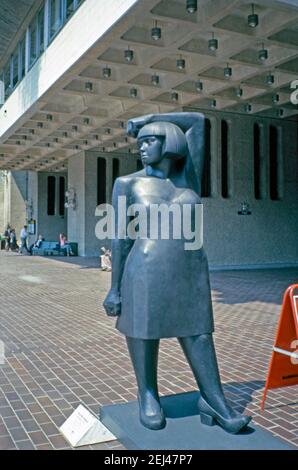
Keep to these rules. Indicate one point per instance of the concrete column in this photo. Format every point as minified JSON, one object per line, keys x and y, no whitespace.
{"x":76,"y":217}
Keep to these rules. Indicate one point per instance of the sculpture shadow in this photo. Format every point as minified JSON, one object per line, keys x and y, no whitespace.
{"x":185,"y":404}
{"x":80,"y":262}
{"x":262,"y":285}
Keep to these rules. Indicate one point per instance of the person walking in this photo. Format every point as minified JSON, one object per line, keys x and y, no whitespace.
{"x":24,"y":238}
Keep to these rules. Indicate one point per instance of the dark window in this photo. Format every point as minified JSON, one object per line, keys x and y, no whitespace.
{"x":55,"y":17}
{"x":101,"y":180}
{"x":273,"y":163}
{"x":23,"y":57}
{"x":61,"y":195}
{"x":139,"y":164}
{"x":70,"y":7}
{"x":224,"y":159}
{"x":40,"y":26}
{"x":257,"y":162}
{"x":206,"y":179}
{"x":7,"y":85}
{"x":32,"y":42}
{"x":15,"y":68}
{"x":116,"y":167}
{"x":51,"y":195}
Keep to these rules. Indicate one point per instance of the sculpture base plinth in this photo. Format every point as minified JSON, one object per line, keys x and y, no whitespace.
{"x":183,"y":430}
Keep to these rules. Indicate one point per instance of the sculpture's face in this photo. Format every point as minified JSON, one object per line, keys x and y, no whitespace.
{"x":151,"y":149}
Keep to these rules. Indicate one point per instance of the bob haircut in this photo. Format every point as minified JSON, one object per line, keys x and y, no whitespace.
{"x":175,"y":145}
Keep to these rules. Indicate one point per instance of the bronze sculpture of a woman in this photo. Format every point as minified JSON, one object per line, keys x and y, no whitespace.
{"x":160,"y":289}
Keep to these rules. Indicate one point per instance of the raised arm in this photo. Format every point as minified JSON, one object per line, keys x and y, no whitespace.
{"x":193,"y":125}
{"x":121,"y":246}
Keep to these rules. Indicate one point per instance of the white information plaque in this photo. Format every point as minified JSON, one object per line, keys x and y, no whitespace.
{"x":82,"y":428}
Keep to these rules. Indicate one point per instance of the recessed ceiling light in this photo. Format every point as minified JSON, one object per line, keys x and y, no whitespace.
{"x":213,"y":43}
{"x":227,"y":71}
{"x":239,"y":92}
{"x":263,"y":54}
{"x":191,"y":6}
{"x":156,"y":32}
{"x":275,"y":98}
{"x":133,"y":92}
{"x":89,"y":86}
{"x":106,"y":72}
{"x":199,"y":85}
{"x":155,"y":79}
{"x":180,"y":63}
{"x":270,"y":79}
{"x":253,"y":19}
{"x":128,"y":55}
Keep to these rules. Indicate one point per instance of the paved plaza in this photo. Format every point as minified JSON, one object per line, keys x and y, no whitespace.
{"x":62,"y":350}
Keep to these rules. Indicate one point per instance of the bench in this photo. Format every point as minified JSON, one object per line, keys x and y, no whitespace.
{"x":53,"y":249}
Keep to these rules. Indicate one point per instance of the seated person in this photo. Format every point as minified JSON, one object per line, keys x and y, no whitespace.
{"x":64,"y":245}
{"x":106,"y":259}
{"x":36,"y":244}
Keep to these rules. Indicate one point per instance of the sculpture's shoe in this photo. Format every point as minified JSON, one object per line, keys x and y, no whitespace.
{"x":232,"y":424}
{"x":151,"y":414}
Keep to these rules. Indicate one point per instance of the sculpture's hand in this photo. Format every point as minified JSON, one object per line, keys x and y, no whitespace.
{"x":112,"y":304}
{"x":134,"y":125}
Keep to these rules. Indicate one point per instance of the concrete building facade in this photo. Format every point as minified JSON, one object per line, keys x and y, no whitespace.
{"x":67,"y":98}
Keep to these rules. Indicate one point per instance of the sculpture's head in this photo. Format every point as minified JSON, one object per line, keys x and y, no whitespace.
{"x":161,"y":140}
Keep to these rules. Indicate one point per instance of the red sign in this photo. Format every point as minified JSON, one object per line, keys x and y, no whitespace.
{"x":283,"y":369}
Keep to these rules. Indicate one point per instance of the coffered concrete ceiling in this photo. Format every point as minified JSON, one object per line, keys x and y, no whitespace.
{"x":12,"y":15}
{"x":74,"y":119}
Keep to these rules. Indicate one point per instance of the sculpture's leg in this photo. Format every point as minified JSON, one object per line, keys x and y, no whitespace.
{"x":144,"y":357}
{"x":200,"y":353}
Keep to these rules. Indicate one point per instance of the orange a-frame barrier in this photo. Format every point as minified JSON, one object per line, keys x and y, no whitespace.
{"x":283,"y":369}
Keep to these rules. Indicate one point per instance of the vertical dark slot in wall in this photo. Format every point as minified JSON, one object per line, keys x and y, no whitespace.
{"x":224,"y":160}
{"x":257,"y":162}
{"x":206,"y":178}
{"x":51,"y":202}
{"x":116,"y":169}
{"x":61,"y":195}
{"x":101,"y":180}
{"x":273,"y":163}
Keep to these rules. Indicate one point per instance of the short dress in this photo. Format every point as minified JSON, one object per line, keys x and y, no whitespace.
{"x":165,"y":289}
